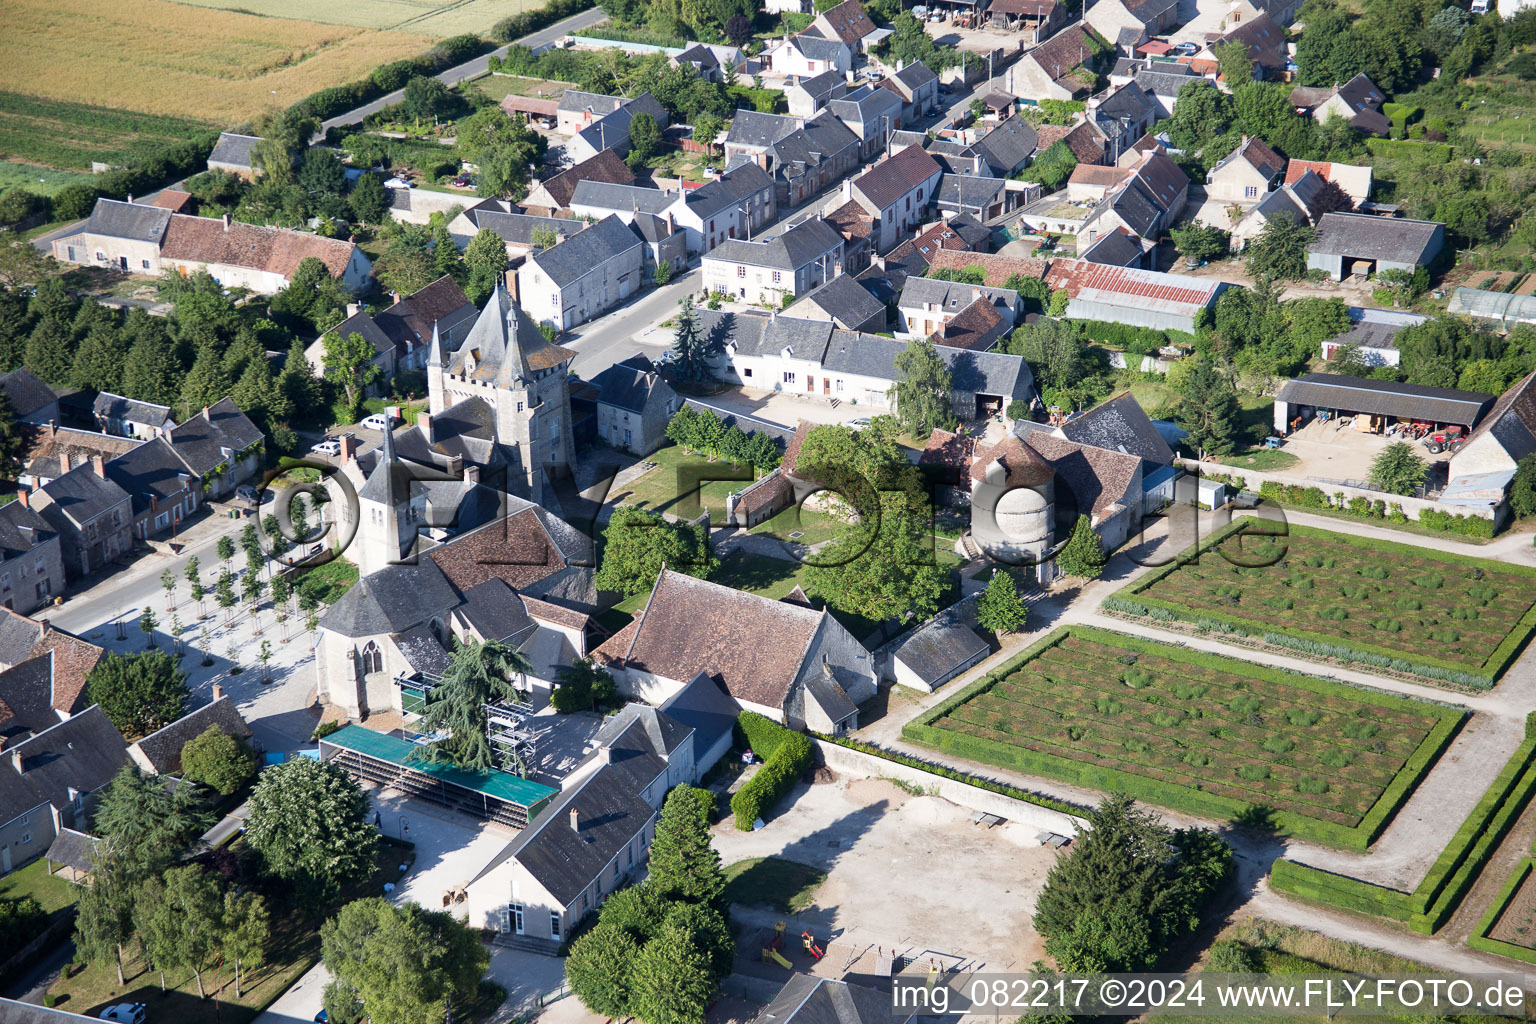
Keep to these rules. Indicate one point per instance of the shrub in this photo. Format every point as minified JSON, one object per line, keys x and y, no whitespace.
{"x":1361,"y":729}
{"x":1312,"y":785}
{"x":1337,"y":757}
{"x":1136,"y":678}
{"x":789,"y":757}
{"x":1299,"y":717}
{"x":1279,"y":745}
{"x":1253,"y":772}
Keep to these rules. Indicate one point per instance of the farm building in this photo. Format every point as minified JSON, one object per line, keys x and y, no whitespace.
{"x":938,"y":652}
{"x":1376,"y":404}
{"x":1488,"y":305}
{"x":1372,"y":334}
{"x":1139,"y":298}
{"x":1348,"y":244}
{"x":1504,"y":438}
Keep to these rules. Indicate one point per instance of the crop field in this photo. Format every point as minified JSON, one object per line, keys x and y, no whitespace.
{"x":215,"y":65}
{"x":443,"y":18}
{"x":71,"y":135}
{"x":1196,"y":732}
{"x":42,"y":180}
{"x":1411,"y":609}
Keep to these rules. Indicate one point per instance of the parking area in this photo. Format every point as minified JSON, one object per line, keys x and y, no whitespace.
{"x":1331,"y":450}
{"x":872,"y":838}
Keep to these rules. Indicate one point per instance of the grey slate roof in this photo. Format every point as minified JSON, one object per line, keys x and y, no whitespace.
{"x":423,"y":651}
{"x":807,"y":999}
{"x":1121,"y":425}
{"x":363,"y":324}
{"x":820,"y":86}
{"x":26,"y":391}
{"x":822,"y":138}
{"x":82,"y":753}
{"x":628,"y":198}
{"x":202,"y":443}
{"x":565,"y":860}
{"x":1370,"y":334}
{"x":578,"y":255}
{"x":26,"y":698}
{"x":761,"y":335}
{"x":940,"y":648}
{"x":1363,"y":236}
{"x":162,"y":748}
{"x":846,"y":299}
{"x":1385,"y":398}
{"x":128,"y":220}
{"x":82,"y":495}
{"x":1009,"y":146}
{"x":494,"y":609}
{"x":1167,"y":84}
{"x":967,"y":190}
{"x":865,"y":104}
{"x":988,"y":373}
{"x":915,"y":75}
{"x":391,"y":600}
{"x":818,"y":48}
{"x":505,"y":342}
{"x":518,"y":228}
{"x":950,"y":296}
{"x":705,"y":708}
{"x":72,"y":849}
{"x":631,"y":384}
{"x":233,"y":149}
{"x":752,"y":128}
{"x":1116,"y":248}
{"x":18,"y":635}
{"x":115,"y":407}
{"x":21,"y":529}
{"x":1130,"y":101}
{"x":150,"y":470}
{"x":795,"y":248}
{"x":576,"y":101}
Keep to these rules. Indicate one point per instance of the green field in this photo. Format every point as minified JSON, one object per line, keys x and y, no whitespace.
{"x":447,"y":18}
{"x":69,"y":136}
{"x":1410,"y":609}
{"x":43,"y":181}
{"x":1196,"y":732}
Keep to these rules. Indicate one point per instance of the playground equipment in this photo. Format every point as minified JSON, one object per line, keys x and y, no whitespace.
{"x":810,"y":945}
{"x":771,"y":952}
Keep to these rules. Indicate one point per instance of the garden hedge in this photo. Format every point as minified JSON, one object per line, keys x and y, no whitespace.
{"x":1479,"y":938}
{"x":1132,"y":600}
{"x":1452,"y":875}
{"x":922,"y":730}
{"x":786,"y":755}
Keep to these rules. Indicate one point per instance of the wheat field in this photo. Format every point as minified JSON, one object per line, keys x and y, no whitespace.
{"x":159,"y":57}
{"x":426,"y":17}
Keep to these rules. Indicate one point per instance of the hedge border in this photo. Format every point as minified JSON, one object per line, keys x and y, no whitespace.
{"x":922,"y":731}
{"x":1479,"y":938}
{"x":1453,"y":873}
{"x":1485,"y":675}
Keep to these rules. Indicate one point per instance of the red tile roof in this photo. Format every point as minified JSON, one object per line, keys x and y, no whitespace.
{"x":1022,"y":465}
{"x":999,"y":268}
{"x":1095,"y":477}
{"x":851,"y":220}
{"x":1074,"y":276}
{"x":172,"y":199}
{"x":890,"y":179}
{"x":1098,"y":174}
{"x":974,"y":327}
{"x":273,"y":250}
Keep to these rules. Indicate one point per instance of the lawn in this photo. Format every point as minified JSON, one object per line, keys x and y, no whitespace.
{"x":773,"y":882}
{"x":1327,"y":595}
{"x":52,"y":892}
{"x":48,"y":139}
{"x":1261,"y":459}
{"x":1196,"y":732}
{"x":294,"y":948}
{"x":499,"y":87}
{"x":43,"y":181}
{"x":222,"y":66}
{"x":327,"y":582}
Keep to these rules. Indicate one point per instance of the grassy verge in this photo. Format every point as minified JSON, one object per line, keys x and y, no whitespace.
{"x":327,"y":582}
{"x":52,"y":893}
{"x":1261,"y":459}
{"x":1186,"y":790}
{"x":783,"y":885}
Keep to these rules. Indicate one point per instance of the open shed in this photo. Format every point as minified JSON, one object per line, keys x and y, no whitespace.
{"x":1385,"y":402}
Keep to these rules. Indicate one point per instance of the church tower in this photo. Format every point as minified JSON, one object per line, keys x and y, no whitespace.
{"x":508,"y":363}
{"x":386,"y":528}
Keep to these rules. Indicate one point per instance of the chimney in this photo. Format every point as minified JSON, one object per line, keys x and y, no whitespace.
{"x":18,"y":763}
{"x":471,"y":474}
{"x":24,"y":496}
{"x":847,"y":188}
{"x":394,"y":298}
{"x":837,"y":269}
{"x":975,"y":294}
{"x":218,"y":692}
{"x":64,"y":466}
{"x":352,"y":309}
{"x":99,"y":466}
{"x":226,"y":222}
{"x":575,"y":817}
{"x":207,"y":416}
{"x":424,"y":424}
{"x":605,"y":755}
{"x":348,"y":448}
{"x":43,"y":626}
{"x":53,"y":428}
{"x":130,"y":198}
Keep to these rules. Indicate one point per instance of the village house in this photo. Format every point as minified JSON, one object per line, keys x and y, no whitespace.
{"x":806,"y":97}
{"x":1482,"y":470}
{"x":220,"y":446}
{"x":31,"y":556}
{"x":521,"y":233}
{"x":895,"y":192}
{"x":917,"y":86}
{"x":712,"y":62}
{"x":802,"y":155}
{"x":806,"y":56}
{"x":129,"y":417}
{"x":91,"y":515}
{"x":982,"y":198}
{"x":1353,"y":180}
{"x":51,"y":451}
{"x":599,"y":127}
{"x":1119,"y":248}
{"x":634,"y":405}
{"x":159,"y":753}
{"x":49,"y":782}
{"x":791,"y":263}
{"x":162,"y":489}
{"x":584,"y":276}
{"x":1304,"y":201}
{"x":1129,"y":23}
{"x":1357,"y":101}
{"x":1052,"y":70}
{"x":735,"y":205}
{"x":871,"y":113}
{"x":553,"y":194}
{"x":927,"y":305}
{"x":32,"y":402}
{"x":849,"y":23}
{"x":960,"y":233}
{"x":1123,"y":116}
{"x":1147,"y":204}
{"x":1371,"y":336}
{"x":1007,"y":148}
{"x":1265,"y":41}
{"x":844,"y":302}
{"x":44,"y":676}
{"x":1247,"y":174}
{"x":233,"y":153}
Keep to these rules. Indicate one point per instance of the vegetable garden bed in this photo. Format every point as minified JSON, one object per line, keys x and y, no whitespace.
{"x":1197,"y":732}
{"x":1443,"y":617}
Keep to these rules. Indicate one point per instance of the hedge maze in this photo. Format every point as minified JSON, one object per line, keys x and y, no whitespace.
{"x":1197,"y":732}
{"x":1327,"y":595}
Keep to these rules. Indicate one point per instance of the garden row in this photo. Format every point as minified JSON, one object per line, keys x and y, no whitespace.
{"x":1303,"y":496}
{"x":1482,"y":937}
{"x":1489,"y":608}
{"x":1453,"y":874}
{"x":1071,"y":728}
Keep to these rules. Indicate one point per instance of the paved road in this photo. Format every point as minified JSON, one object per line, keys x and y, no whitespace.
{"x":630,"y":329}
{"x":471,"y":69}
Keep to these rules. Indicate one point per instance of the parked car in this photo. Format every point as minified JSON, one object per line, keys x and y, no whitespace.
{"x":399,"y":183}
{"x":330,"y":446}
{"x":860,"y":423}
{"x":380,"y":421}
{"x":124,"y":1013}
{"x":464,"y":181}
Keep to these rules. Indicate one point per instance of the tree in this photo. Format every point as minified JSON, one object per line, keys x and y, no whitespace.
{"x":1000,"y":609}
{"x":1279,"y":251}
{"x":320,"y":171}
{"x":485,"y":258}
{"x":180,"y":922}
{"x":583,"y":686}
{"x":1200,"y":242}
{"x":349,"y":362}
{"x":282,"y":590}
{"x":706,"y":129}
{"x":544,"y":238}
{"x":405,"y":964}
{"x":224,"y":593}
{"x":99,"y":360}
{"x":922,"y":389}
{"x":1522,"y":490}
{"x":684,"y":865}
{"x":1233,"y":62}
{"x":738,"y":29}
{"x":205,"y":383}
{"x":1397,"y":469}
{"x":478,"y":673}
{"x":638,"y":541}
{"x":672,"y":981}
{"x":644,"y":138}
{"x":1132,"y":887}
{"x":218,"y":760}
{"x":138,"y":692}
{"x":426,"y":97}
{"x":407,"y":265}
{"x":21,"y":264}
{"x":245,"y":930}
{"x":1053,"y":166}
{"x":600,"y":966}
{"x":1210,"y":411}
{"x":693,"y":351}
{"x":146,"y":824}
{"x":1201,"y":116}
{"x":147,"y":624}
{"x":883,"y":566}
{"x":1083,"y":554}
{"x":11,"y":440}
{"x":369,"y":199}
{"x":661,"y":273}
{"x":309,"y":822}
{"x":51,"y":351}
{"x":104,"y":910}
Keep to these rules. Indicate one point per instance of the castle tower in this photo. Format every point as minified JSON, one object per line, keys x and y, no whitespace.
{"x":507,"y":362}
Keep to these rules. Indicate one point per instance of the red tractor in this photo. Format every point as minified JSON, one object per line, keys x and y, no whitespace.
{"x":1451,"y":439}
